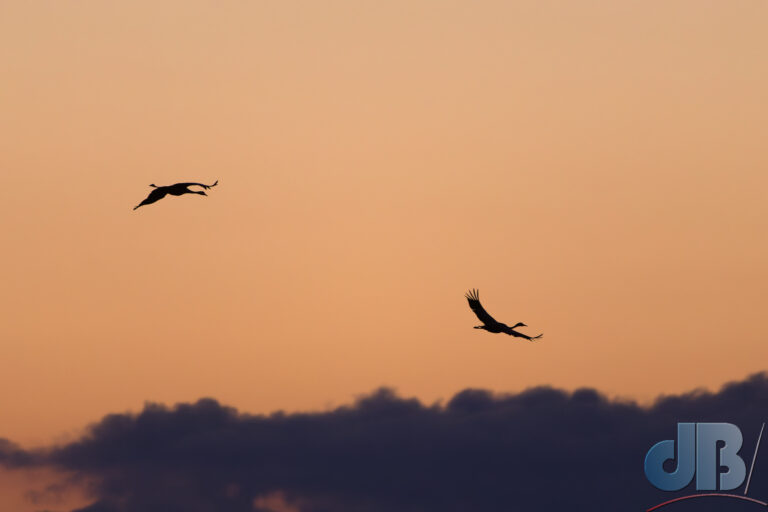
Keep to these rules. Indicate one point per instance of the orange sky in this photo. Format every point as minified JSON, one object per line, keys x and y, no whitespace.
{"x":597,"y":169}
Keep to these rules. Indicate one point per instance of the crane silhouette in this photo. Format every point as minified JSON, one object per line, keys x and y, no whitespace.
{"x":178,"y":189}
{"x":489,"y":323}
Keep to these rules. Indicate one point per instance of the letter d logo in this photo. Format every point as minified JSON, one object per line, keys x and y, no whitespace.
{"x":665,"y":450}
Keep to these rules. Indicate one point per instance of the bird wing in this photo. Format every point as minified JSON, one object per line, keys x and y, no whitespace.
{"x":516,"y":334}
{"x":473,"y":297}
{"x":199,"y":184}
{"x":156,"y":195}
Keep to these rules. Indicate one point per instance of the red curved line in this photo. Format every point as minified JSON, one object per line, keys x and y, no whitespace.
{"x":703,"y":495}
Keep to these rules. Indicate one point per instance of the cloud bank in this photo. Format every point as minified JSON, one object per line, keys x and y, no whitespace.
{"x":539,"y":450}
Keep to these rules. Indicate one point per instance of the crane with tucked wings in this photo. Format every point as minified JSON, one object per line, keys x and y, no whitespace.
{"x":175,"y":190}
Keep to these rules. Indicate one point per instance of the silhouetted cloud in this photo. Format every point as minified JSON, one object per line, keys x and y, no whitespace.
{"x":539,"y":450}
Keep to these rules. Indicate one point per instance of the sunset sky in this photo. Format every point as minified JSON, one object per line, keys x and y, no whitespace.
{"x":597,"y":169}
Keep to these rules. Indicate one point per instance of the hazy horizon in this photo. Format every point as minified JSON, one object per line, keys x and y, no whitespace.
{"x":209,"y":455}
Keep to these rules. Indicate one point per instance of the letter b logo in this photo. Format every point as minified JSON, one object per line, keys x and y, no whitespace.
{"x":697,"y":453}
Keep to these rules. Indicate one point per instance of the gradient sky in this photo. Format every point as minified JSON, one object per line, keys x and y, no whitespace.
{"x":597,"y":169}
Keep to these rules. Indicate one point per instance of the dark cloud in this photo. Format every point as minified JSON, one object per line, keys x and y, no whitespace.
{"x":539,"y":450}
{"x":11,"y":455}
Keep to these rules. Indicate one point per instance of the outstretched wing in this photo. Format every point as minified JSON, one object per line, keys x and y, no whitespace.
{"x":206,"y":187}
{"x":516,"y":334}
{"x":156,"y":195}
{"x":473,"y":297}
